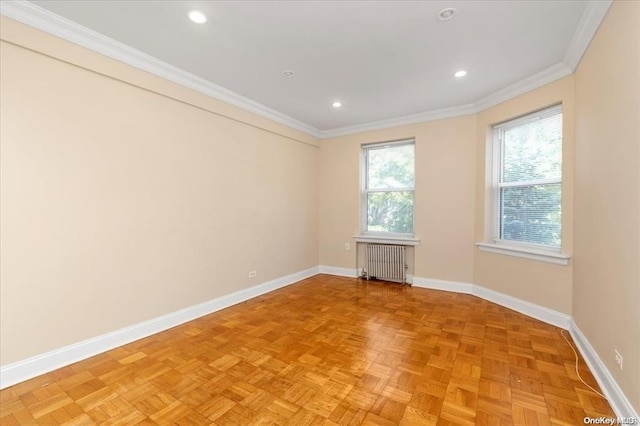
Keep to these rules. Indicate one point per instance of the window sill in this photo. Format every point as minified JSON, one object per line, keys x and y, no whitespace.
{"x":382,"y":239}
{"x":527,"y":253}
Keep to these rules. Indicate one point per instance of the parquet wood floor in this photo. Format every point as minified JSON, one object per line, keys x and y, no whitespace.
{"x":326,"y":351}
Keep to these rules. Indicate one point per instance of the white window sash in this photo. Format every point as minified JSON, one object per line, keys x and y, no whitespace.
{"x":536,"y":182}
{"x":529,"y":118}
{"x":365,"y":190}
{"x":497,"y":177}
{"x":404,"y":189}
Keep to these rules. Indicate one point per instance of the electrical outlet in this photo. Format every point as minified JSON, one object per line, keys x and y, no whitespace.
{"x":618,"y":358}
{"x":347,"y":246}
{"x":252,"y":274}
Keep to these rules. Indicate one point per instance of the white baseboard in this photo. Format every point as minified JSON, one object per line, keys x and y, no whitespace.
{"x":341,"y":272}
{"x":619,"y":402}
{"x":531,"y":309}
{"x":40,"y":364}
{"x":617,"y":399}
{"x":541,"y":313}
{"x":434,"y":284}
{"x":23,"y":370}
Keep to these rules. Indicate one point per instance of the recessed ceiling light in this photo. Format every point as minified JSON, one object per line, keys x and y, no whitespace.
{"x":336,"y":104}
{"x":446,"y":14}
{"x":197,"y":17}
{"x":460,"y":73}
{"x":287,"y":73}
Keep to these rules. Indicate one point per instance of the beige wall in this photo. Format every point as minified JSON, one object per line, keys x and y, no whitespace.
{"x":121,"y":204}
{"x":449,"y":212}
{"x":125,"y":197}
{"x":445,"y":185}
{"x":538,"y":282}
{"x":607,"y":221}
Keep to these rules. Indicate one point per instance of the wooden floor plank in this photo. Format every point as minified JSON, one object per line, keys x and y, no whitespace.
{"x":326,"y":351}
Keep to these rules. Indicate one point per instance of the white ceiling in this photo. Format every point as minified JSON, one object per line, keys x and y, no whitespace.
{"x":384,"y":60}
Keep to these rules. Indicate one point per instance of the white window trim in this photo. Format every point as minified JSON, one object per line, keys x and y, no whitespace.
{"x":384,"y":237}
{"x":492,"y":206}
{"x":387,"y":239}
{"x":525,"y":252}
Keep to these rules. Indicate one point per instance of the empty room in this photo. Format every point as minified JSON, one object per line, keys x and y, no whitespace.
{"x":320,"y":212}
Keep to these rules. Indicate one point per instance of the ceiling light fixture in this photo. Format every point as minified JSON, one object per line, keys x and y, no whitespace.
{"x":197,"y":17}
{"x":287,"y":73}
{"x":460,"y":73}
{"x":336,"y":104}
{"x":446,"y":14}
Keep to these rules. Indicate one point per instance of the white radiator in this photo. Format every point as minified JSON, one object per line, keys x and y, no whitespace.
{"x":386,"y":262}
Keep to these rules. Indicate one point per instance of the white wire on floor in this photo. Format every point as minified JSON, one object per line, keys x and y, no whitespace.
{"x":577,"y":372}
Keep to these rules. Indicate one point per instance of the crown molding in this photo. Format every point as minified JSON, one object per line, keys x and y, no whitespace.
{"x":551,"y":74}
{"x":539,"y":79}
{"x":401,"y":121}
{"x":589,"y":23}
{"x":44,"y":20}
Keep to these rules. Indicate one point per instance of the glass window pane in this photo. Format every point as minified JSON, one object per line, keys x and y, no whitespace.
{"x":390,"y":167}
{"x":533,"y":150}
{"x":390,"y":211}
{"x":531,"y":214}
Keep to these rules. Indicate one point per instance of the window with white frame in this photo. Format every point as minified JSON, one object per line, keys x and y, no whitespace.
{"x":528,"y":179}
{"x":388,"y":188}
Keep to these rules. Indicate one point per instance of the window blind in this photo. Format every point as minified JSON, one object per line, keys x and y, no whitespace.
{"x":529,"y":178}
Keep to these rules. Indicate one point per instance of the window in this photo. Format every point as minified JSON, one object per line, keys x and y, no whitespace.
{"x":388,"y":188}
{"x":528,"y":179}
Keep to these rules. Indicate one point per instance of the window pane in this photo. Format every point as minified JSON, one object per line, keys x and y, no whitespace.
{"x":533,"y":150}
{"x":390,"y":167}
{"x":531,"y":214}
{"x":390,"y":211}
